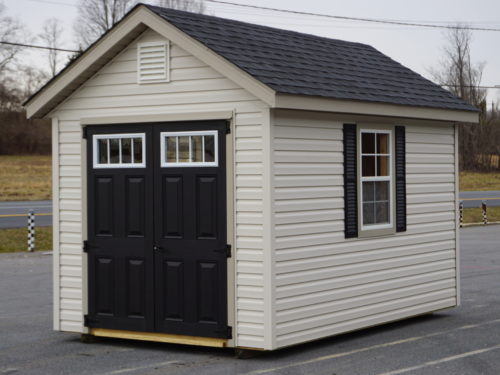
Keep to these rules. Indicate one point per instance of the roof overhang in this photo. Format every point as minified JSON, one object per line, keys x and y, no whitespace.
{"x":300,"y":102}
{"x":114,"y":41}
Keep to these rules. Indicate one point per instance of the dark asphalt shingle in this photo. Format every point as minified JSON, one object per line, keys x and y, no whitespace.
{"x":302,"y":64}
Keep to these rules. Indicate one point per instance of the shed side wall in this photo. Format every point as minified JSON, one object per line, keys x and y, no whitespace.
{"x":194,"y":86}
{"x":326,"y":284}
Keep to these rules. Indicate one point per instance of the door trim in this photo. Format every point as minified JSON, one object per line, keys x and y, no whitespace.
{"x":230,"y":197}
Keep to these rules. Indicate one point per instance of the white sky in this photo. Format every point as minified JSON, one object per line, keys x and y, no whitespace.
{"x":417,"y":48}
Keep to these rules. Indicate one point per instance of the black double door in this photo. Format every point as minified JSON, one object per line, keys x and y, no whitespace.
{"x":156,"y":245}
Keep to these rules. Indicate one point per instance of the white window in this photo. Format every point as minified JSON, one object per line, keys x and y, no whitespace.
{"x":153,"y":62}
{"x":189,"y":149}
{"x":119,"y":150}
{"x":376,"y":179}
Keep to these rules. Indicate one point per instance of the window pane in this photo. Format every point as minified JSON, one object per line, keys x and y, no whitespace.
{"x":382,"y":143}
{"x":171,"y":143}
{"x":382,"y":191}
{"x":368,"y":191}
{"x":383,"y":166}
{"x":209,"y":148}
{"x":368,"y":143}
{"x":103,"y":151}
{"x":138,"y":150}
{"x":197,"y":148}
{"x":183,"y":149}
{"x":126,"y":150}
{"x":114,"y":151}
{"x":368,"y":213}
{"x":368,"y":166}
{"x":382,"y":212}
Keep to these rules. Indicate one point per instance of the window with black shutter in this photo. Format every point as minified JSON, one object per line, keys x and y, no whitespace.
{"x":374,"y":180}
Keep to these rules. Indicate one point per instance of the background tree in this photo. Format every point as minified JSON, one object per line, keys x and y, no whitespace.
{"x":51,"y":36}
{"x":95,"y":17}
{"x":478,"y":144}
{"x":13,"y":31}
{"x":195,"y":6}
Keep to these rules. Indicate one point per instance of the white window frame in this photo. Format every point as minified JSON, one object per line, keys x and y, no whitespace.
{"x":165,"y":45}
{"x":95,"y":145}
{"x":389,"y":178}
{"x":163,"y":149}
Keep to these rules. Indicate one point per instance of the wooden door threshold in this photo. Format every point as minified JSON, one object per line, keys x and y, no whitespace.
{"x":159,"y":337}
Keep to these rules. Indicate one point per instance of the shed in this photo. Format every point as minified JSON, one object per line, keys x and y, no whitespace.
{"x":228,"y":184}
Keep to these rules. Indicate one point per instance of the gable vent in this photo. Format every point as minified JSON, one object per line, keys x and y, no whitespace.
{"x":153,"y":62}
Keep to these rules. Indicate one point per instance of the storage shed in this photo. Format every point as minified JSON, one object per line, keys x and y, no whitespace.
{"x":227,"y":184}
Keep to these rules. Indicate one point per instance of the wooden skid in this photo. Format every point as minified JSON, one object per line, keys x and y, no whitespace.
{"x":159,"y":337}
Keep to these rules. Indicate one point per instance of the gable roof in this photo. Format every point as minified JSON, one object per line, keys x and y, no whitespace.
{"x":301,"y":64}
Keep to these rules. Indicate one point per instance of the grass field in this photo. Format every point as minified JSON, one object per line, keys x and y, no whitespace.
{"x":479,"y":181}
{"x":475,"y":215}
{"x":15,"y":240}
{"x":24,"y":178}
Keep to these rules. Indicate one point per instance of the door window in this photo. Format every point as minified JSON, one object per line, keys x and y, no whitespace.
{"x":119,"y":150}
{"x":189,"y":149}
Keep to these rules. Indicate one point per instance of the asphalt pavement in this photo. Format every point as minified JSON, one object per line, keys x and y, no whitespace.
{"x":14,"y":214}
{"x":459,"y":341}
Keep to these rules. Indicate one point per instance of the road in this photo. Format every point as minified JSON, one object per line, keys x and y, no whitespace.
{"x":459,"y":341}
{"x":13,"y":214}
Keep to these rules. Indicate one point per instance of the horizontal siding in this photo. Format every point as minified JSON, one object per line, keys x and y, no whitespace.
{"x":194,"y":86}
{"x":326,"y":284}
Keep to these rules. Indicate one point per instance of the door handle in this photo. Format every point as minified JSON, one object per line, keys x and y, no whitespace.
{"x":157,"y":248}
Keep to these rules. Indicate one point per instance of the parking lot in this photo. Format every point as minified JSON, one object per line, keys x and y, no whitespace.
{"x":464,"y":340}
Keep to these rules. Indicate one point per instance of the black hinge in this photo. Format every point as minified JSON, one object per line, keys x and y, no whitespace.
{"x":228,"y":127}
{"x":85,"y":132}
{"x":86,"y":246}
{"x":88,"y":321}
{"x":227,"y":332}
{"x":226,"y":249}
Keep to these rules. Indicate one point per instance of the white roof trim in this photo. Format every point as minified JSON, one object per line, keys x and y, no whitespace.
{"x":374,"y":109}
{"x":114,"y":42}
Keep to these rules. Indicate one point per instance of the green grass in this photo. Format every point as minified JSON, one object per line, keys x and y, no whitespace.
{"x":25,"y":177}
{"x":475,"y":215}
{"x":479,"y":181}
{"x":15,"y":240}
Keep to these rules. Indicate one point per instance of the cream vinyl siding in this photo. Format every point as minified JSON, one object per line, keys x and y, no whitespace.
{"x":327,"y":285}
{"x":193,"y":87}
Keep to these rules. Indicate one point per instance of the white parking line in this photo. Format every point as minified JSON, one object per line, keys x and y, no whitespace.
{"x":378,"y":346}
{"x":442,"y":360}
{"x":153,"y":365}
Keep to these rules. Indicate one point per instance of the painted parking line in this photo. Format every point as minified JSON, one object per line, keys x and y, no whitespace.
{"x":19,"y":215}
{"x":146,"y":367}
{"x":442,"y":360}
{"x":378,"y":346}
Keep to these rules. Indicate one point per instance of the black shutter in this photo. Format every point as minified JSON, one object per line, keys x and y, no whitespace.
{"x":400,"y":154}
{"x":350,"y":181}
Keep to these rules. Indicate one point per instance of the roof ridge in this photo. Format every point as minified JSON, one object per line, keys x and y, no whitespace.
{"x":157,"y":8}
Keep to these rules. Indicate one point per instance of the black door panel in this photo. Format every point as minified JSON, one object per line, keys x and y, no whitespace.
{"x":155,"y":237}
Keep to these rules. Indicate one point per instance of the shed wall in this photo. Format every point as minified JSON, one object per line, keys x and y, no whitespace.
{"x":194,"y":86}
{"x":326,"y":284}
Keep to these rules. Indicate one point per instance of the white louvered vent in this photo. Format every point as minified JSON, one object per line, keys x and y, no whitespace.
{"x":153,"y":62}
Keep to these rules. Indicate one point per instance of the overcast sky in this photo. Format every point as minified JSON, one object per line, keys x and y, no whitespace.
{"x":417,"y":48}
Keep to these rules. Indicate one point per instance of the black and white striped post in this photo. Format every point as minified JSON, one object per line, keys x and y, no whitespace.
{"x":31,"y":230}
{"x":461,"y":208}
{"x":485,"y":215}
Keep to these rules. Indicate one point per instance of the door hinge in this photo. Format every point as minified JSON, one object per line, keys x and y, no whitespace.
{"x":86,"y":246}
{"x":227,"y":332}
{"x":228,"y":127}
{"x":226,"y":249}
{"x":85,"y":131}
{"x":88,"y":321}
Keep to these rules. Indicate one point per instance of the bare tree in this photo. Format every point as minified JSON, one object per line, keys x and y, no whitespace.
{"x":195,"y":6}
{"x":95,"y":17}
{"x":51,"y":35}
{"x":11,"y":30}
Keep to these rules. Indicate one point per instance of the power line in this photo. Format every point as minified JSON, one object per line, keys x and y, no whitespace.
{"x":470,"y":86}
{"x":39,"y":47}
{"x":354,"y":18}
{"x":53,"y":2}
